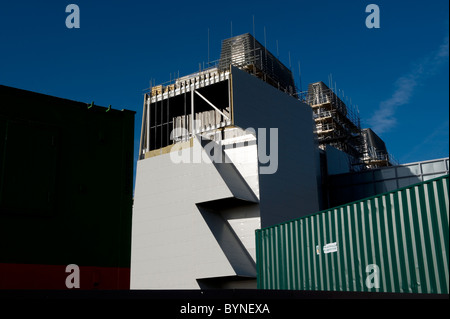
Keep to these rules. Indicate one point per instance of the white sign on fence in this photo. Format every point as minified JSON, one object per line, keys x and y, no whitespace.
{"x":330,"y":248}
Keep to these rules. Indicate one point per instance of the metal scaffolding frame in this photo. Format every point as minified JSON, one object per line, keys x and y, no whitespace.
{"x":336,"y":124}
{"x":339,"y":125}
{"x":246,"y":53}
{"x":170,"y":114}
{"x":374,"y":151}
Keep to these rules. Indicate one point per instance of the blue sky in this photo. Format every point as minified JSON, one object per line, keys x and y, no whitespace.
{"x":397,"y":74}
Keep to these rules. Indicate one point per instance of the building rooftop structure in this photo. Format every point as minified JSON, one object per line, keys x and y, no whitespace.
{"x":227,"y":150}
{"x":216,"y":159}
{"x":246,"y":53}
{"x":339,"y":125}
{"x":374,"y":151}
{"x":336,"y":124}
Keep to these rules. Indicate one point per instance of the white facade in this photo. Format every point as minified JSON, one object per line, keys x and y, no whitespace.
{"x":194,"y":219}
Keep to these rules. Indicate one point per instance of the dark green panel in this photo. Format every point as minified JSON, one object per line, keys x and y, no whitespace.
{"x":403,"y":233}
{"x":66,"y":181}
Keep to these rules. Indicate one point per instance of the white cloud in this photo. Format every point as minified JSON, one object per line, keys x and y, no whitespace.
{"x":384,"y":117}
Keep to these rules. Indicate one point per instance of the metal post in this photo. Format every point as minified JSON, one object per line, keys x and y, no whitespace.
{"x":156,"y":118}
{"x":168,"y":119}
{"x":229,"y":94}
{"x":192,"y":110}
{"x":207,"y":101}
{"x":148,"y":101}
{"x":142,"y":145}
{"x":185,"y":125}
{"x":161,"y":123}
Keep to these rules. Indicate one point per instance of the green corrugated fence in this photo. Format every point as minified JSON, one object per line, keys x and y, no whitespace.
{"x":395,"y":242}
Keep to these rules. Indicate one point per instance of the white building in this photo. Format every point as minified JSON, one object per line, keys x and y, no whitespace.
{"x":241,"y":156}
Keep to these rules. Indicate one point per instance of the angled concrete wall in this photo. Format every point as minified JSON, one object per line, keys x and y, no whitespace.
{"x":194,"y":222}
{"x":189,"y":227}
{"x":291,"y":191}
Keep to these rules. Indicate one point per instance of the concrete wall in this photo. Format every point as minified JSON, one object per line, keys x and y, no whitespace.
{"x":292,"y":191}
{"x":194,"y":223}
{"x":189,"y":227}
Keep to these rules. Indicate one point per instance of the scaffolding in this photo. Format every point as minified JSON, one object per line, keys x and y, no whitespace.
{"x":246,"y":53}
{"x":339,"y":126}
{"x":336,"y":124}
{"x":374,"y":151}
{"x":177,"y":110}
{"x":200,"y":102}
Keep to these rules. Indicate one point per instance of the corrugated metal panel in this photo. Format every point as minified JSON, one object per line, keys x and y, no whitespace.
{"x":404,"y":233}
